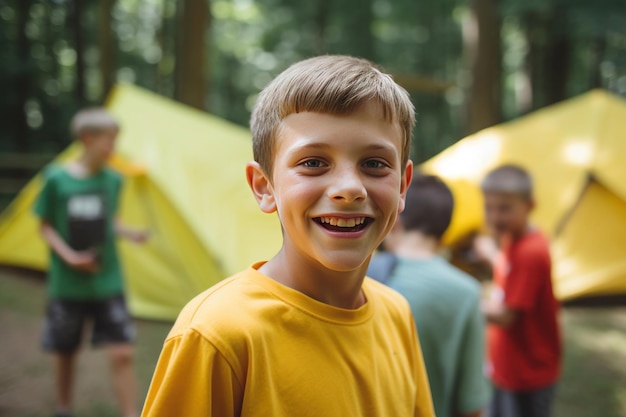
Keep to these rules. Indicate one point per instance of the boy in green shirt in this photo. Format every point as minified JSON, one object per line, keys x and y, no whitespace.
{"x":77,"y":208}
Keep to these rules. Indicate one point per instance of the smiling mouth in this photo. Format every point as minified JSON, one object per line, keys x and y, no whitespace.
{"x":346,"y":225}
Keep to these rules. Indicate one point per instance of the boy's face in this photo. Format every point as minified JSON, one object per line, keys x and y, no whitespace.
{"x":100,"y":145}
{"x":337,"y":185}
{"x":507,"y":213}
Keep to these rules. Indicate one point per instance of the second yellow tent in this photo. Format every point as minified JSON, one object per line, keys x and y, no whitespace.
{"x":575,"y":151}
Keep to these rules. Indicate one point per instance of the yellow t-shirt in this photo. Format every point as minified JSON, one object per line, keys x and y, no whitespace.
{"x":250,"y":346}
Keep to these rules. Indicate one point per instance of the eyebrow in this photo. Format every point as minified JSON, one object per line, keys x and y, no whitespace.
{"x":317,"y":145}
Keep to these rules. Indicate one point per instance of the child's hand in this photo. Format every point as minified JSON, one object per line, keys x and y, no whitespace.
{"x":485,"y":249}
{"x":139,"y":236}
{"x":85,"y":261}
{"x":134,"y":235}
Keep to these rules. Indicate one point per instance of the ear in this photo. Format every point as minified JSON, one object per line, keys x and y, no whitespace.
{"x":261,"y":187}
{"x":405,"y":181}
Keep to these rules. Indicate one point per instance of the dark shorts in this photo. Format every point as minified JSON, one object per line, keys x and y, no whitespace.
{"x":67,"y":319}
{"x":536,"y":403}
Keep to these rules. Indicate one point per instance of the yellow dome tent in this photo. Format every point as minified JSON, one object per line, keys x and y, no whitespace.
{"x":575,"y":151}
{"x":185,"y":181}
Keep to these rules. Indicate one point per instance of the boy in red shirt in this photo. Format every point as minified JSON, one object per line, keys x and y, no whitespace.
{"x":524,"y":342}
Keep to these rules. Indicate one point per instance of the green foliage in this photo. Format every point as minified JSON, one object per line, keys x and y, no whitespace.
{"x":250,"y":41}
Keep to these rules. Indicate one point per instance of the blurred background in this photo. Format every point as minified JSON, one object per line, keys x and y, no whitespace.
{"x":467,"y":64}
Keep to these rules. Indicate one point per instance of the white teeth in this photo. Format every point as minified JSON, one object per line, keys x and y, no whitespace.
{"x":339,"y":222}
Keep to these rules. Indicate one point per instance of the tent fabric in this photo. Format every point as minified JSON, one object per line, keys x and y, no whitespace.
{"x":185,"y":182}
{"x":600,"y":214}
{"x":574,"y":151}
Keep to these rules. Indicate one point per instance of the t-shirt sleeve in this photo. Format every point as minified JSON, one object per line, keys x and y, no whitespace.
{"x":45,"y":203}
{"x":529,"y":268}
{"x":473,"y":390}
{"x":191,"y":379}
{"x":117,"y":185}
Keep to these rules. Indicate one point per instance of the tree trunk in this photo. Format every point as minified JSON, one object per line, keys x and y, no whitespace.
{"x":533,"y":65}
{"x":22,"y":84}
{"x":483,"y":49}
{"x":557,"y":70}
{"x":548,"y":58}
{"x":164,"y":35}
{"x":557,"y":59}
{"x":598,"y":48}
{"x":321,"y":21}
{"x":357,"y":31}
{"x":107,"y":46}
{"x":191,"y":85}
{"x":79,"y":47}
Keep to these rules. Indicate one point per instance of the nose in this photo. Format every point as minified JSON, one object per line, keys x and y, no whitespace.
{"x":347,"y":186}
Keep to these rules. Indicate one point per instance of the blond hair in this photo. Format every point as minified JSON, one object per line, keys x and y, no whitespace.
{"x":510,"y":179}
{"x":332,"y":84}
{"x":93,"y":120}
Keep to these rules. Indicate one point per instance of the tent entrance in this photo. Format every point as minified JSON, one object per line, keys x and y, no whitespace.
{"x":589,"y":240}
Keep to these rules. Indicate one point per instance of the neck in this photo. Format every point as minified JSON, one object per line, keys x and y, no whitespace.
{"x":89,"y":164}
{"x":336,"y":288}
{"x":521,"y":233}
{"x":416,"y":245}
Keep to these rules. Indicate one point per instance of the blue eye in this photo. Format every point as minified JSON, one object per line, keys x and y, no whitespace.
{"x":313,"y":163}
{"x":373,"y":163}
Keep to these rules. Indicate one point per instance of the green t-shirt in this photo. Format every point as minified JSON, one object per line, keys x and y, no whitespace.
{"x":445,"y":306}
{"x":82,"y":211}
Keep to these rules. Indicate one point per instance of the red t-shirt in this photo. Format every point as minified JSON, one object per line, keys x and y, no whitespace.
{"x":527,"y":354}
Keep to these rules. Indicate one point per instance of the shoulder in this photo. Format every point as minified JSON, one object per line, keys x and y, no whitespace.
{"x":111,"y":175}
{"x":461,"y":280}
{"x":437,"y":279}
{"x":53,"y":172}
{"x":381,"y":291}
{"x":449,"y":289}
{"x":534,"y":246}
{"x":54,"y":178}
{"x":389,"y":300}
{"x":225,"y":311}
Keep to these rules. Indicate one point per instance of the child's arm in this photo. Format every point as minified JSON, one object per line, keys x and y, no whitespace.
{"x":529,"y":269}
{"x":499,"y":313}
{"x":193,"y":379}
{"x":84,"y":261}
{"x":486,"y":249}
{"x":134,"y":235}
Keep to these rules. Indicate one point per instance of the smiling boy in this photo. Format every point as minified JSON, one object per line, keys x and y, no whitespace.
{"x":306,"y":334}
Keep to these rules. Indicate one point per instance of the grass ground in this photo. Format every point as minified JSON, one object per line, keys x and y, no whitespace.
{"x":26,"y":384}
{"x":593,"y":382}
